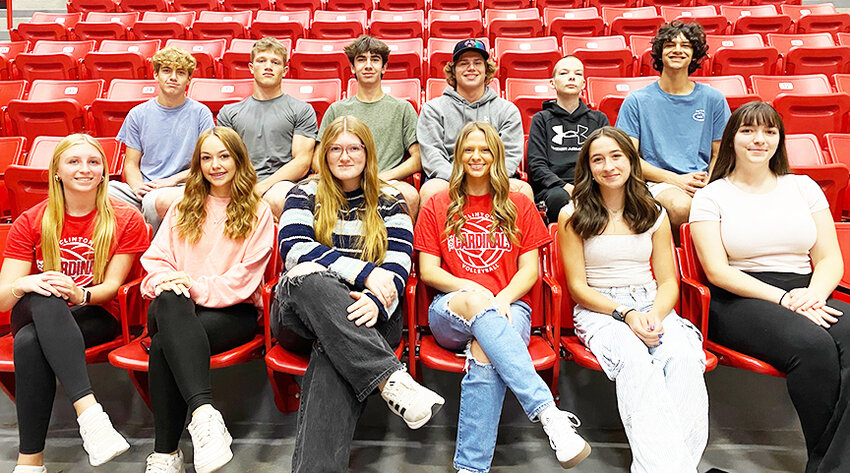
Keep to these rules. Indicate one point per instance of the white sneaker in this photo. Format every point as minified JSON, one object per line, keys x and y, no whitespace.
{"x":29,"y":469}
{"x":560,"y":426}
{"x":101,"y":441}
{"x":413,"y":402}
{"x":165,"y":463}
{"x":210,"y":439}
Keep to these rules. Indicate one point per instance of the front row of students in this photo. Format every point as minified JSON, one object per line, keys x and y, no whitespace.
{"x":764,"y":236}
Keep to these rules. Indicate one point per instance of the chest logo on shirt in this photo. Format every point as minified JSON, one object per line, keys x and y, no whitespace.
{"x":477,"y":252}
{"x":580,"y":134}
{"x":77,"y":256}
{"x":699,"y":115}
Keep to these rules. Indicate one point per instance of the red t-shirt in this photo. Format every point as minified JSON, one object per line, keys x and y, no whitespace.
{"x":75,"y":245}
{"x":491,"y":263}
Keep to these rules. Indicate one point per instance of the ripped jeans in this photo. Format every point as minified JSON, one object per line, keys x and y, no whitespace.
{"x":347,"y":363}
{"x":483,"y":387}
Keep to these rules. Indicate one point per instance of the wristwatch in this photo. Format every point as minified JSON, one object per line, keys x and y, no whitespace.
{"x":620,"y":313}
{"x":86,"y":297}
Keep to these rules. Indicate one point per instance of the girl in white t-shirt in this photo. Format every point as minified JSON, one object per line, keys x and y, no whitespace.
{"x":767,"y":242}
{"x":613,"y":237}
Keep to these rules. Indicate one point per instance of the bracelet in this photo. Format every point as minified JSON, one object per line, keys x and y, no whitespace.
{"x":627,"y":312}
{"x":783,"y":297}
{"x":15,"y":295}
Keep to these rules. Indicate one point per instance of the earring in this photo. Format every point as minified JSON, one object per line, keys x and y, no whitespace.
{"x":56,"y":177}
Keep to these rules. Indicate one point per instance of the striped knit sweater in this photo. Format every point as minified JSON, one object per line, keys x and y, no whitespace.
{"x":297,"y":239}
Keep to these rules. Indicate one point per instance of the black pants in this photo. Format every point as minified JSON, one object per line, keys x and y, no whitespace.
{"x":183,"y":337}
{"x":50,"y":342}
{"x":347,"y":363}
{"x":816,"y":361}
{"x":555,"y":198}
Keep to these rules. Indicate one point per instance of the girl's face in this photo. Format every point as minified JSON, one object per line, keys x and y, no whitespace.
{"x":80,"y":168}
{"x":756,"y":144}
{"x":476,"y":155}
{"x":609,"y":165}
{"x":347,"y":159}
{"x":218,"y":166}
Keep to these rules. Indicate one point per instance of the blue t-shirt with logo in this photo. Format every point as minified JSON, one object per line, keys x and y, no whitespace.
{"x":675,"y":131}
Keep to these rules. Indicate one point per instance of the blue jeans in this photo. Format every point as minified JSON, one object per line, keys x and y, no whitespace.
{"x":483,"y":387}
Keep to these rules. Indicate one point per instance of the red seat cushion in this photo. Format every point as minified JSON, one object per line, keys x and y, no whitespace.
{"x":436,"y":357}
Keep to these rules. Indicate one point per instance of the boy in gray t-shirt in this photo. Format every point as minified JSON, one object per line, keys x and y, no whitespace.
{"x":278,"y":129}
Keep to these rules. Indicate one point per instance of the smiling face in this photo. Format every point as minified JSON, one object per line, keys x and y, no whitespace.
{"x":218,"y":166}
{"x":80,"y":168}
{"x":568,"y":76}
{"x":268,"y":68}
{"x":470,"y":71}
{"x":756,"y":144}
{"x":677,"y":53}
{"x":368,"y":68}
{"x":346,"y":159}
{"x":609,"y":165}
{"x":172,"y":81}
{"x":476,"y":156}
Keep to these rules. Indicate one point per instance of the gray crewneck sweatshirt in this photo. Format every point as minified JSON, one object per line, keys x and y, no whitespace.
{"x":442,"y":119}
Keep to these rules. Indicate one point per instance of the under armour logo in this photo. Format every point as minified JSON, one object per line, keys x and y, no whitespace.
{"x":580,"y":133}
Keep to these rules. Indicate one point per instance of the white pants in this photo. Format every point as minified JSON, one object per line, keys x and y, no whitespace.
{"x":661,"y":392}
{"x":146,"y":205}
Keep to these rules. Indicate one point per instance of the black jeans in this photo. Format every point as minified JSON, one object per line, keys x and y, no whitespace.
{"x":50,"y":342}
{"x":815,"y":360}
{"x":183,"y":337}
{"x":555,"y":198}
{"x":347,"y":363}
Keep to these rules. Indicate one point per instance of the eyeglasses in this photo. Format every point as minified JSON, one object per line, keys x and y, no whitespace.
{"x":353,"y":151}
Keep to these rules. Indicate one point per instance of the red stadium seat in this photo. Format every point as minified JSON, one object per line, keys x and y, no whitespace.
{"x":407,"y":89}
{"x":605,"y":56}
{"x":629,"y":21}
{"x":506,"y":4}
{"x":406,"y":57}
{"x":291,"y":25}
{"x":74,"y":6}
{"x":528,"y":95}
{"x":9,"y":50}
{"x":706,"y":15}
{"x":206,"y":52}
{"x":234,"y":62}
{"x":456,"y":5}
{"x":247,"y":5}
{"x":734,"y":88}
{"x":523,"y":23}
{"x":299,"y":5}
{"x":164,"y":25}
{"x":641,"y":48}
{"x":529,"y":58}
{"x":350,"y":5}
{"x":761,"y":19}
{"x":811,"y":53}
{"x":804,"y":150}
{"x":573,"y":21}
{"x":222,"y":25}
{"x":805,"y":157}
{"x":455,"y":24}
{"x":397,"y":24}
{"x":9,"y":90}
{"x":402,"y":5}
{"x":842,"y":82}
{"x":612,"y":3}
{"x":319,"y":93}
{"x":47,"y":26}
{"x":146,"y":5}
{"x":121,"y":60}
{"x":121,"y":89}
{"x":434,"y":87}
{"x":41,"y":152}
{"x":338,"y":24}
{"x":60,"y":60}
{"x":216,"y":93}
{"x":821,"y":17}
{"x":742,"y":55}
{"x":101,"y":25}
{"x":320,"y":59}
{"x":53,"y":107}
{"x":11,"y":152}
{"x":107,"y":115}
{"x":839,"y":152}
{"x":560,"y":4}
{"x":717,"y":3}
{"x":196,"y":5}
{"x":606,"y":94}
{"x":440,"y":53}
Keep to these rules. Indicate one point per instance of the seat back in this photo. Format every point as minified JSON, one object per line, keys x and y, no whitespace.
{"x":605,"y":56}
{"x":206,"y":52}
{"x":397,"y":24}
{"x":216,"y":93}
{"x":435,"y":87}
{"x":575,"y":22}
{"x":521,"y":23}
{"x":81,"y":91}
{"x":319,"y":59}
{"x":290,"y":25}
{"x":528,"y":95}
{"x":528,"y":58}
{"x":184,"y":18}
{"x":769,"y":87}
{"x":804,"y":150}
{"x":9,"y":50}
{"x":132,"y":89}
{"x":843,"y":231}
{"x":455,"y":24}
{"x":338,"y":24}
{"x":606,"y":94}
{"x":319,"y":93}
{"x":10,"y":90}
{"x":53,"y":60}
{"x":406,"y":89}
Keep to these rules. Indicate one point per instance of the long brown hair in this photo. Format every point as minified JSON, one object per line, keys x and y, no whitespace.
{"x":504,"y":211}
{"x":750,"y":114}
{"x":591,"y":217}
{"x":330,"y":198}
{"x":242,"y":208}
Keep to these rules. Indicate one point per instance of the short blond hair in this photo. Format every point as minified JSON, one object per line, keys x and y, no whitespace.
{"x":174,"y":58}
{"x":269,"y":44}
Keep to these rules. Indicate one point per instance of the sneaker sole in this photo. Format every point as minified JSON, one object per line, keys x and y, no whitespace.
{"x":220,"y":461}
{"x":578,"y":458}
{"x":123,"y":449}
{"x":438,"y":404}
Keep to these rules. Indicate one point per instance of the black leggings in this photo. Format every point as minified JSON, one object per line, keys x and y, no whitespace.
{"x":183,"y":336}
{"x":50,"y":342}
{"x":815,"y":360}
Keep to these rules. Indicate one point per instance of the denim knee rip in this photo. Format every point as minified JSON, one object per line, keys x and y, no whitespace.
{"x":468,"y":350}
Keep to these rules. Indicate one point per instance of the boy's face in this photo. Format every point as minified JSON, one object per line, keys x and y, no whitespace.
{"x":470,"y":71}
{"x":568,"y":76}
{"x":677,"y":53}
{"x":268,"y":68}
{"x":172,"y":81}
{"x":368,"y":68}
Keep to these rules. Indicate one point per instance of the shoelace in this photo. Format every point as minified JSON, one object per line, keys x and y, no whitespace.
{"x":558,"y":430}
{"x":157,"y":464}
{"x":203,"y":430}
{"x":394,"y":393}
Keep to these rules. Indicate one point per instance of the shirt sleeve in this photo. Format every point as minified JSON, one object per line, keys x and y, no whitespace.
{"x":704,"y":207}
{"x":511,"y":134}
{"x":658,"y":221}
{"x":721,"y":116}
{"x":329,"y":116}
{"x":206,"y":119}
{"x":409,"y":121}
{"x":436,"y":160}
{"x":427,"y":235}
{"x":225,"y":116}
{"x":538,"y":166}
{"x":534,"y":232}
{"x":628,"y":118}
{"x":812,"y":192}
{"x":21,"y":241}
{"x":130,"y":134}
{"x":134,"y":236}
{"x":159,"y":259}
{"x":398,"y":259}
{"x":305,"y":122}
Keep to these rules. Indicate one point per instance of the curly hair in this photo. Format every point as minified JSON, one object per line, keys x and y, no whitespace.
{"x":489,"y":73}
{"x":667,"y":32}
{"x":174,"y":58}
{"x":367,"y":44}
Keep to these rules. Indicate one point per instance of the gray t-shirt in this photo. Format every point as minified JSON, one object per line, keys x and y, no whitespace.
{"x":392,"y":122}
{"x":267,"y":127}
{"x":166,"y":136}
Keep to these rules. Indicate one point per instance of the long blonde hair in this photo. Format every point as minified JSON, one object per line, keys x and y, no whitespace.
{"x":504,"y":211}
{"x":53,"y":220}
{"x":242,"y":208}
{"x":330,"y":198}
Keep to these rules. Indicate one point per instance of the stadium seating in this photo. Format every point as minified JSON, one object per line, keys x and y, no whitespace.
{"x":299,"y":5}
{"x":74,"y":6}
{"x":641,"y":48}
{"x":216,"y":93}
{"x":406,"y":89}
{"x":528,"y":95}
{"x":41,"y":152}
{"x":234,"y":61}
{"x":603,"y":56}
{"x":761,"y":19}
{"x":9,"y":50}
{"x":628,"y":21}
{"x":247,"y":5}
{"x":350,"y":5}
{"x":53,"y":108}
{"x":456,"y":24}
{"x":402,"y":5}
{"x":734,"y":88}
{"x":164,"y":25}
{"x":742,"y":55}
{"x":60,"y":60}
{"x":319,"y":93}
{"x":804,"y":150}
{"x":810,"y":53}
{"x":291,"y":25}
{"x":102,"y":25}
{"x":108,"y":114}
{"x":434,"y":87}
{"x":338,"y":24}
{"x":196,"y":5}
{"x":146,"y":5}
{"x":12,"y":150}
{"x":573,"y":21}
{"x":9,"y":90}
{"x":456,"y":4}
{"x":706,"y":15}
{"x":522,"y":23}
{"x":46,"y":26}
{"x":816,"y":18}
{"x":529,"y":58}
{"x":320,"y":59}
{"x":121,"y":60}
{"x":406,"y":57}
{"x":397,"y":24}
{"x":606,"y":94}
{"x":222,"y":25}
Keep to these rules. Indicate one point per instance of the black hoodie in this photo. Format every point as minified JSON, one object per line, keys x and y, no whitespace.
{"x":554,"y":141}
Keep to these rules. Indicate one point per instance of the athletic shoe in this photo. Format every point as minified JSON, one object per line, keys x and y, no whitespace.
{"x":411,"y":401}
{"x":569,"y":447}
{"x":100,"y":439}
{"x":29,"y":469}
{"x":165,"y":463}
{"x":210,"y":439}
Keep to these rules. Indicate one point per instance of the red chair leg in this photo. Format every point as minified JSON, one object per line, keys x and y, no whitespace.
{"x":140,"y":381}
{"x":7,"y":383}
{"x":287,"y":394}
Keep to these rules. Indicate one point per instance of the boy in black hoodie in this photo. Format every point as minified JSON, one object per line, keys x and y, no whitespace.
{"x":556,"y":135}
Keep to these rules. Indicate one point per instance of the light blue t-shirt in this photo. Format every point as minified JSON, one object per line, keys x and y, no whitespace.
{"x":675,"y":131}
{"x":166,"y":136}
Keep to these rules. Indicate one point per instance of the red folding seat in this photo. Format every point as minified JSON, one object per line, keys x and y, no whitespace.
{"x":434,"y":87}
{"x":838,"y":145}
{"x":61,"y":60}
{"x":101,"y":25}
{"x":53,"y":107}
{"x":761,"y":19}
{"x":717,"y":3}
{"x":506,"y":4}
{"x":806,"y":103}
{"x":9,"y":50}
{"x":338,"y":24}
{"x":612,"y":3}
{"x":605,"y":56}
{"x":734,"y":88}
{"x":196,"y":5}
{"x":528,"y":58}
{"x":292,"y":25}
{"x":124,"y":89}
{"x":397,"y":24}
{"x":455,"y":24}
{"x":207,"y":53}
{"x":804,"y":150}
{"x":222,"y":25}
{"x":406,"y":56}
{"x":606,"y":94}
{"x":164,"y":25}
{"x":319,"y":93}
{"x":821,"y":17}
{"x":234,"y":62}
{"x":573,"y":21}
{"x":247,"y":5}
{"x":299,"y":5}
{"x":41,"y":152}
{"x":528,"y":95}
{"x":402,"y":5}
{"x":810,"y":53}
{"x":842,"y":82}
{"x":146,"y":5}
{"x":641,"y":48}
{"x":742,"y":55}
{"x":216,"y":93}
{"x":122,"y":60}
{"x":11,"y":152}
{"x":407,"y":89}
{"x":560,"y":4}
{"x":523,"y":23}
{"x":658,"y":4}
{"x":456,"y":5}
{"x":351,"y":5}
{"x":107,"y":115}
{"x":440,"y":53}
{"x":705,"y":15}
{"x":9,"y":90}
{"x":320,"y":59}
{"x":74,"y":6}
{"x":47,"y":26}
{"x":629,"y":21}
